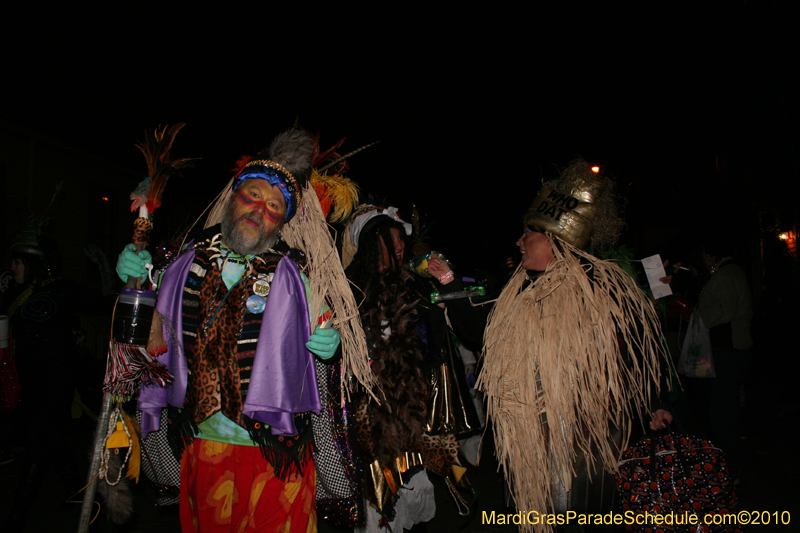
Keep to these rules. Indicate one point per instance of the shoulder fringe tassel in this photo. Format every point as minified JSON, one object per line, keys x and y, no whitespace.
{"x":556,"y":372}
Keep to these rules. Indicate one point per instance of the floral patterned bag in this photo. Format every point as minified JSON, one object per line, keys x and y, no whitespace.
{"x":677,"y":476}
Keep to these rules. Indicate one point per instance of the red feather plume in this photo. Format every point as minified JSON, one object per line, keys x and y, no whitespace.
{"x":155,"y":147}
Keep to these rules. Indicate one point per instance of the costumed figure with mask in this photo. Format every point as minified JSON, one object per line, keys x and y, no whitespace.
{"x":573,"y":348}
{"x":243,"y":310}
{"x":397,"y":452}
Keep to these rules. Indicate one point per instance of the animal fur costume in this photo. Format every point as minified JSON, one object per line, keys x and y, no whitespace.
{"x":392,"y":433}
{"x":570,"y":352}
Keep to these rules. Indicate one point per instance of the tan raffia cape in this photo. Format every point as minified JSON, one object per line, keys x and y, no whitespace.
{"x":555,"y":375}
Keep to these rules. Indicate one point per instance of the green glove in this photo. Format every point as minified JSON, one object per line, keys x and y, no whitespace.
{"x":323,"y":342}
{"x":131,"y":263}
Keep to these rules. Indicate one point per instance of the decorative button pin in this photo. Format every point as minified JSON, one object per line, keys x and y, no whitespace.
{"x":261,"y":287}
{"x":256,"y":304}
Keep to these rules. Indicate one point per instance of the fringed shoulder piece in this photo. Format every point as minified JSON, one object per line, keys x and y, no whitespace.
{"x":308,"y":231}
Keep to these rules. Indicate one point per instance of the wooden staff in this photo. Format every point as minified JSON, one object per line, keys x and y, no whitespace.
{"x":129,"y":364}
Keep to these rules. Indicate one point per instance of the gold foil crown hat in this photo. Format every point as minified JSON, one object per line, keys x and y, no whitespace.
{"x":578,"y":207}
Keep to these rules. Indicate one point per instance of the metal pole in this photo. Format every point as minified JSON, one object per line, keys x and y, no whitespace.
{"x":91,"y":479}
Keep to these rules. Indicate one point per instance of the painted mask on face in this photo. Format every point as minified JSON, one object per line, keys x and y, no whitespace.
{"x":253,"y":217}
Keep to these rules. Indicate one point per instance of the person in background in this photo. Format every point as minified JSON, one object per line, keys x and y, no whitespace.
{"x":725,"y":306}
{"x":43,"y":319}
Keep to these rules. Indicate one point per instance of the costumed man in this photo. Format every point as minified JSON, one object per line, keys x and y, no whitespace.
{"x":572,"y":349}
{"x":236,"y":322}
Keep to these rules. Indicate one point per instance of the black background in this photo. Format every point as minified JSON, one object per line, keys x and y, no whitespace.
{"x":690,"y":107}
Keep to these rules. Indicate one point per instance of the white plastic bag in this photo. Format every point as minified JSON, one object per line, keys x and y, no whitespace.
{"x":696,"y":360}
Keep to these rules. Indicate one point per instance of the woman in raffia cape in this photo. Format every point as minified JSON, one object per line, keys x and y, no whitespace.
{"x":572,"y":347}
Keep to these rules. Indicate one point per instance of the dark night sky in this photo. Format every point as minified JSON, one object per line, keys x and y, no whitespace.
{"x":473,"y":105}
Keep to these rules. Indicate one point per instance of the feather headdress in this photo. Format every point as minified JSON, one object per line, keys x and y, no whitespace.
{"x":335,"y":192}
{"x":337,"y":195}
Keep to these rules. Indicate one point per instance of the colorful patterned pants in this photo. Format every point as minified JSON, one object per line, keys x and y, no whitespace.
{"x":232,"y":489}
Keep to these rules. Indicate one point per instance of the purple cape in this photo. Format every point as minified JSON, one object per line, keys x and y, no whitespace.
{"x":283,"y":380}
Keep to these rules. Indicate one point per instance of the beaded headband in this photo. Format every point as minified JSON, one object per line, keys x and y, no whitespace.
{"x":278,"y":176}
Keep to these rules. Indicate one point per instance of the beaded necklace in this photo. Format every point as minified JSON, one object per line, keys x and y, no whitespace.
{"x":219,"y":250}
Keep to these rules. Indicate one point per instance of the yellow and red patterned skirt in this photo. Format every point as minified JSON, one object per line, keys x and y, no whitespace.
{"x":230,"y":488}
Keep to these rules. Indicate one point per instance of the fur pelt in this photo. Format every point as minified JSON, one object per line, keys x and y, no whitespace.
{"x":398,"y":421}
{"x":118,"y":498}
{"x":293,"y":149}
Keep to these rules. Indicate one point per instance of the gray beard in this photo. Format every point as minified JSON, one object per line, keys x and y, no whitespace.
{"x":242,"y":244}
